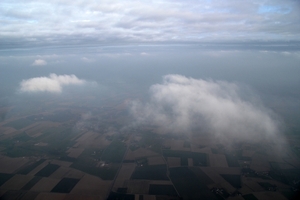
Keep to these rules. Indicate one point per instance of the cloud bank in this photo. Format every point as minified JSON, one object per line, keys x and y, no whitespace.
{"x":54,"y":83}
{"x":41,"y":22}
{"x":182,"y":104}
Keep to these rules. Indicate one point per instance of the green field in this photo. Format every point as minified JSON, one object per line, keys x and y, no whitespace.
{"x":114,"y":152}
{"x":87,"y":162}
{"x":249,"y":197}
{"x":31,"y":183}
{"x":5,"y":177}
{"x":19,"y":123}
{"x":188,"y":185}
{"x":234,"y":180}
{"x":47,"y":170}
{"x":65,"y":185}
{"x":28,"y":168}
{"x":162,"y":190}
{"x":150,"y":172}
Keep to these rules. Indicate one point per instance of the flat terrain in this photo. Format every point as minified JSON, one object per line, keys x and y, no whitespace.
{"x":58,"y":155}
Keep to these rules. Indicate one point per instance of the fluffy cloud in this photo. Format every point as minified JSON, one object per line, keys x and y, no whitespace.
{"x":39,"y":62}
{"x":182,"y":104}
{"x":53,"y":83}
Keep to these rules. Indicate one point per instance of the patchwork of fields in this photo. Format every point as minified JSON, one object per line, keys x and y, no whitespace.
{"x":49,"y":156}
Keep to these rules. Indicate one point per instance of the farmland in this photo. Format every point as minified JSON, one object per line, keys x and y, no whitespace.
{"x":56,"y":154}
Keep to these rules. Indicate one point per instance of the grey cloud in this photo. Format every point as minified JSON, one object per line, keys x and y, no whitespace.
{"x":156,"y":21}
{"x":180,"y":105}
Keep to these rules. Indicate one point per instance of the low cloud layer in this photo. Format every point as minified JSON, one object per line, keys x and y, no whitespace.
{"x":54,"y":83}
{"x":182,"y":104}
{"x":43,"y":22}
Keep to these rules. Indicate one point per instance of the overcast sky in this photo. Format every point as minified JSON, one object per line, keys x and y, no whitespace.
{"x":85,"y":22}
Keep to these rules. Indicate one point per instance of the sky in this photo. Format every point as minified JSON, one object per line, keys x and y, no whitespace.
{"x":39,"y":23}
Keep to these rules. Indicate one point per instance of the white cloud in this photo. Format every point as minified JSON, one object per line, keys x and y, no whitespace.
{"x":88,"y":60}
{"x":53,"y":83}
{"x":39,"y":62}
{"x":182,"y":104}
{"x":144,"y":54}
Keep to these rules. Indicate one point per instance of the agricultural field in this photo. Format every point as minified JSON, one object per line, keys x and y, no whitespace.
{"x":51,"y":155}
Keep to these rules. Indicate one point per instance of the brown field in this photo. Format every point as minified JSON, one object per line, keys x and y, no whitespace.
{"x":245,"y":189}
{"x":10,"y":165}
{"x":157,"y":182}
{"x":285,"y":166}
{"x":60,"y":173}
{"x":149,"y":197}
{"x":227,"y":186}
{"x":74,"y":173}
{"x":30,"y":195}
{"x":190,"y":162}
{"x":227,"y":170}
{"x":92,"y":185}
{"x":269,"y":195}
{"x":212,"y":174}
{"x":142,"y":152}
{"x":202,"y":150}
{"x":10,"y":135}
{"x":99,"y":141}
{"x":36,"y":130}
{"x":157,"y":160}
{"x":137,"y":186}
{"x":83,"y":197}
{"x":50,"y":196}
{"x":16,"y":182}
{"x":7,"y":130}
{"x":124,"y":174}
{"x":260,"y":163}
{"x":45,"y":185}
{"x":2,"y":192}
{"x":173,"y":162}
{"x":175,"y":144}
{"x":129,"y":155}
{"x":75,"y":152}
{"x":38,"y":168}
{"x":235,"y":198}
{"x":274,"y":182}
{"x":30,"y":126}
{"x":84,"y":136}
{"x":252,"y":184}
{"x":217,"y":160}
{"x":139,"y":153}
{"x":61,"y":163}
{"x":92,"y":140}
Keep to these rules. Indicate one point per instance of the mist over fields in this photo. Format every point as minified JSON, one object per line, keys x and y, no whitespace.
{"x":247,"y":81}
{"x":229,"y":95}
